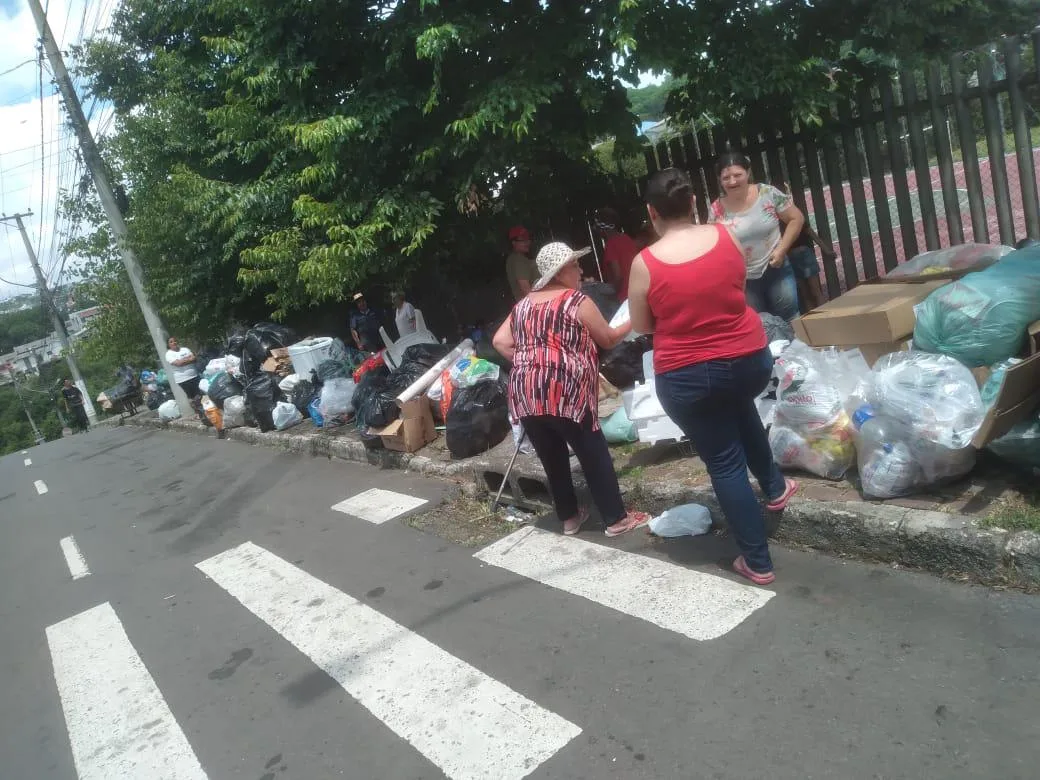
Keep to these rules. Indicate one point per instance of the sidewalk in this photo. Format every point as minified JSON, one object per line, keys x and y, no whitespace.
{"x":973,"y":530}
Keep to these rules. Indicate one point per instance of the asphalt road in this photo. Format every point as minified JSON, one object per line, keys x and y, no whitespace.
{"x":176,"y":607}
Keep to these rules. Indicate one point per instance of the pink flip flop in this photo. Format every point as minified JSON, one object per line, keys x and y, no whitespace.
{"x":758,"y":577}
{"x":780,"y":504}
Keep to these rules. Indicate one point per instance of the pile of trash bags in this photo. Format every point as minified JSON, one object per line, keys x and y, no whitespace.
{"x":915,"y":416}
{"x":254,"y":346}
{"x":1021,"y":445}
{"x":478,"y":418}
{"x":981,"y":319}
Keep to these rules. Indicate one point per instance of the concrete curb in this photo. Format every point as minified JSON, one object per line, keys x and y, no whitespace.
{"x":949,"y":545}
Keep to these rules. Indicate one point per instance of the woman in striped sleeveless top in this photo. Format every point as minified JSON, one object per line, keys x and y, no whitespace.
{"x":550,"y":337}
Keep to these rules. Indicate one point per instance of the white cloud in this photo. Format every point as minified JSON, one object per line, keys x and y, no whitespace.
{"x":29,"y":178}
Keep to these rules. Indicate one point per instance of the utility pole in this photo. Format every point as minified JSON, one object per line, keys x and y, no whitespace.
{"x":59,"y":325}
{"x":93,"y":161}
{"x":32,"y":423}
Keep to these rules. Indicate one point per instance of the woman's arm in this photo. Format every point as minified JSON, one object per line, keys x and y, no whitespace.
{"x":793,"y":220}
{"x":638,"y":289}
{"x":503,"y":341}
{"x":600,"y":330}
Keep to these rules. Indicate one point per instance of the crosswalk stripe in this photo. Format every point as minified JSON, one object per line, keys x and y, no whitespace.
{"x":468,"y":724}
{"x":378,"y":506}
{"x":74,"y":558}
{"x":698,"y":605}
{"x":119,"y":724}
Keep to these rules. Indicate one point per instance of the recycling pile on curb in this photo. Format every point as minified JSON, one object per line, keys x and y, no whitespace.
{"x":902,"y":379}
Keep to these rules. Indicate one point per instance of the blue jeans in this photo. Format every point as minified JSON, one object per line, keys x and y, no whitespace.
{"x":714,"y":405}
{"x":775,"y":292}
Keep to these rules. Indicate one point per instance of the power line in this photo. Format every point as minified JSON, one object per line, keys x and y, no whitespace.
{"x":16,"y":67}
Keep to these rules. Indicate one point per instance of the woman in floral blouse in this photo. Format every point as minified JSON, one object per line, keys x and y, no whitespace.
{"x":767,"y":224}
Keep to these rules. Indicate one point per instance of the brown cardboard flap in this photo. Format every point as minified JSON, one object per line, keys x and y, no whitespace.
{"x":412,"y":430}
{"x":868,"y":314}
{"x":1019,"y":396}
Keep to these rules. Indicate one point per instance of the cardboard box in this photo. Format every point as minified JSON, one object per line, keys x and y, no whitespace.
{"x":873,"y":352}
{"x":1018,"y":397}
{"x":868,"y":314}
{"x":1033,"y":339}
{"x":413,"y":430}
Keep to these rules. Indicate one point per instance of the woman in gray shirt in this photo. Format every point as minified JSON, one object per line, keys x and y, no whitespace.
{"x":767,"y":224}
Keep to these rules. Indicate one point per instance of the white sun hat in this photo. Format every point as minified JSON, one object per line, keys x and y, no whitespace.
{"x":551,"y":260}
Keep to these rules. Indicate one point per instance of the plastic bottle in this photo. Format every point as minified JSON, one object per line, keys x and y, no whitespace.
{"x":887,"y":467}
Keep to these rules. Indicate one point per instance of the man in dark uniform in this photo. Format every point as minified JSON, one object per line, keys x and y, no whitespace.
{"x":74,"y":404}
{"x":364,"y":326}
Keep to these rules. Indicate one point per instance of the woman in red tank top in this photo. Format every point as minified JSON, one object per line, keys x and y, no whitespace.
{"x":710,"y":360}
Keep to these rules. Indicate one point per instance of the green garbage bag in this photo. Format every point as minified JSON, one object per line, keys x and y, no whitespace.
{"x":1020,"y":445}
{"x":982,"y":319}
{"x":618,"y":429}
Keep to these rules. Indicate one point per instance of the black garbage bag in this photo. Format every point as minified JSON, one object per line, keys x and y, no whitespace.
{"x":425,"y":354}
{"x":405,"y":375}
{"x":303,"y":394}
{"x":236,"y":342}
{"x":222,"y":387}
{"x":332,"y":369}
{"x":375,"y":403}
{"x":622,"y":366}
{"x":262,"y":394}
{"x":777,"y":328}
{"x":272,"y":336}
{"x":604,"y":296}
{"x":478,"y":419}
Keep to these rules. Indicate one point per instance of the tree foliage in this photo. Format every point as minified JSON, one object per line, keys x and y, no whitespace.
{"x":299,"y":148}
{"x":751,"y":57}
{"x":22,"y":327}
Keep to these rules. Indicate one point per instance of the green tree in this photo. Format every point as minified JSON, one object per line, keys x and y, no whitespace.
{"x":303,"y":147}
{"x":747,"y":57}
{"x":22,"y":327}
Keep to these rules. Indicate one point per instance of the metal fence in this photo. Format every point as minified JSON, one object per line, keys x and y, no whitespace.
{"x":929,"y":159}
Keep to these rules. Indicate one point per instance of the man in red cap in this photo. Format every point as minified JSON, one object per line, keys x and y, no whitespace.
{"x":520,"y":266}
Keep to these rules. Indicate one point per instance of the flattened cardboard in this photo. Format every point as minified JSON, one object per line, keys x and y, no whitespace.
{"x":868,"y":314}
{"x":413,"y":430}
{"x":1019,"y":396}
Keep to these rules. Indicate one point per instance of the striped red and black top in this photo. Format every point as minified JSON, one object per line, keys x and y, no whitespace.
{"x":555,"y":370}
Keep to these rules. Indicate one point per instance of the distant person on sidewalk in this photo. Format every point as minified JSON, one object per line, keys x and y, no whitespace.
{"x":711,"y":360}
{"x":551,"y":338}
{"x":618,"y":250}
{"x":521,"y":270}
{"x":804,"y":263}
{"x":766,"y":223}
{"x":405,"y":316}
{"x":74,"y":404}
{"x":185,"y":374}
{"x":364,"y":326}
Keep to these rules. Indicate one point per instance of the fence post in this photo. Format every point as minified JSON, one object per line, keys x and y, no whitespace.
{"x":1023,"y":137}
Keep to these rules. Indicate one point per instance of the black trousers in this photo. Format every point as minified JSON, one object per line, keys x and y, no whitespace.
{"x":550,"y":436}
{"x":190,"y":387}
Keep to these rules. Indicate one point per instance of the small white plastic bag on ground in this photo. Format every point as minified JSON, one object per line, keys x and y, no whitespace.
{"x":169,"y":411}
{"x":285,"y":415}
{"x":684,"y":520}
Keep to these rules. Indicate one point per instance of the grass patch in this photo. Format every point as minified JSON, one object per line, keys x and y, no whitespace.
{"x":463,"y":520}
{"x":632,"y":472}
{"x":1015,"y":515}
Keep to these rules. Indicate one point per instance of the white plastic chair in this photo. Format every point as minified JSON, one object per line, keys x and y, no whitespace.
{"x":395,"y":349}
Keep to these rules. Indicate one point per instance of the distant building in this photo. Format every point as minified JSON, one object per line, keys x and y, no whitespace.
{"x":27,"y":358}
{"x":78,"y":320}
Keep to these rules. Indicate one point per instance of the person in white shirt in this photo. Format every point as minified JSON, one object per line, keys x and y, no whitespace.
{"x":182,"y":360}
{"x":405,"y":317}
